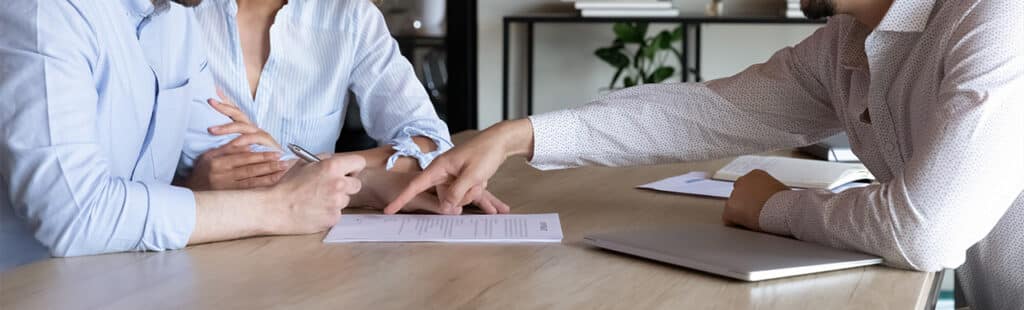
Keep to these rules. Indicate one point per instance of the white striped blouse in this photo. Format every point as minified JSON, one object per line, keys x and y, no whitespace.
{"x":319,"y":52}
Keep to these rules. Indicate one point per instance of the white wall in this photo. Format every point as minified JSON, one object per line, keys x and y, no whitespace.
{"x":566,"y":74}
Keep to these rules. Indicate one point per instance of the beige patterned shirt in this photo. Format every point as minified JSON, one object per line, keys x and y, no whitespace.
{"x":933,"y":102}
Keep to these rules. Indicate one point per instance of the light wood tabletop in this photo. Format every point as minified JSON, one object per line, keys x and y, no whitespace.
{"x":303,"y":272}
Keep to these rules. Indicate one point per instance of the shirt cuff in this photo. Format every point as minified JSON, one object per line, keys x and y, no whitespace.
{"x":404,"y":146}
{"x":171,"y":218}
{"x":776,"y":213}
{"x":555,"y":140}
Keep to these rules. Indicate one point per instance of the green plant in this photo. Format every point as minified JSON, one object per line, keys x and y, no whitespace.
{"x":649,"y":54}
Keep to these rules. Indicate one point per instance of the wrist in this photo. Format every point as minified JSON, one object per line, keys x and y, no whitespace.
{"x":270,"y":217}
{"x":516,"y":137}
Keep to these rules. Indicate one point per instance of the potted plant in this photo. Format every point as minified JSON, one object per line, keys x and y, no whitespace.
{"x":639,"y":59}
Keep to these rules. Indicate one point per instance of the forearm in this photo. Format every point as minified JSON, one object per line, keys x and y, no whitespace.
{"x":516,"y":135}
{"x":227,"y":215}
{"x":664,"y":123}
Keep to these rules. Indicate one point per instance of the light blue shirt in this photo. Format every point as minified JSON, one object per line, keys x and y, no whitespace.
{"x":319,"y":52}
{"x":101,"y":101}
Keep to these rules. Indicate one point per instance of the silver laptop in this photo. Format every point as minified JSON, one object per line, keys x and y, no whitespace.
{"x":731,"y":252}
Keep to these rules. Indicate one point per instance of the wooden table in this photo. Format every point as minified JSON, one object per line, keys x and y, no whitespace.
{"x":302,"y":272}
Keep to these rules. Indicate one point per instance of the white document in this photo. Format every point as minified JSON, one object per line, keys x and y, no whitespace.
{"x":698,"y":183}
{"x":693,"y":183}
{"x":502,"y":228}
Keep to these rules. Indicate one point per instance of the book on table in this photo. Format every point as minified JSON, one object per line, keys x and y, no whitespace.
{"x":835,"y":148}
{"x":795,"y":172}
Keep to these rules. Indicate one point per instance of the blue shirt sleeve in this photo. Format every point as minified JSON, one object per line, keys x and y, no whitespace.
{"x":395,"y":107}
{"x":57,"y":168}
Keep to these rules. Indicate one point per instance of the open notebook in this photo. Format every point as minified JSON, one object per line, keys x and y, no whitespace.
{"x":794,"y":172}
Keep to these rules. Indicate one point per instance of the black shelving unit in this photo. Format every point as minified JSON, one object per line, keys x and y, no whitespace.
{"x":458,"y":105}
{"x":690,"y":24}
{"x":462,"y":65}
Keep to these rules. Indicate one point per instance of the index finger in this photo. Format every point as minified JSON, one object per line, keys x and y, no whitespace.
{"x":426,"y":180}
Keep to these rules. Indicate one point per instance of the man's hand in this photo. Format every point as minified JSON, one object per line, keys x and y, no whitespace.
{"x":749,"y":194}
{"x":381,"y":187}
{"x":310,"y":197}
{"x":461,"y":174}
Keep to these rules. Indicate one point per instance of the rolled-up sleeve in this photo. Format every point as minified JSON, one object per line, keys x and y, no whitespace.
{"x":57,"y":171}
{"x":395,"y":107}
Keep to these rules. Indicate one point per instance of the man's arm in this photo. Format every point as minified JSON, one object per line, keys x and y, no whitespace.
{"x":395,"y":108}
{"x":58,"y":171}
{"x":966,"y":171}
{"x":781,"y":103}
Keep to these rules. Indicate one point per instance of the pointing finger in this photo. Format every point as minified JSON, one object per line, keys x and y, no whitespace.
{"x":472,"y":195}
{"x":458,"y":190}
{"x":426,"y":180}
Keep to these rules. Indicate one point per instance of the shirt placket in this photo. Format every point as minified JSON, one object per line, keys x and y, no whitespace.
{"x":878,"y":109}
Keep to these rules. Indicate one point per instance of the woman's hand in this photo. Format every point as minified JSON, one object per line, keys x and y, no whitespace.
{"x":380,"y":187}
{"x":249,"y":133}
{"x":461,"y":174}
{"x":234,"y":165}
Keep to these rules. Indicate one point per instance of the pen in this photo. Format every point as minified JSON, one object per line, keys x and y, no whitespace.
{"x":303,"y":153}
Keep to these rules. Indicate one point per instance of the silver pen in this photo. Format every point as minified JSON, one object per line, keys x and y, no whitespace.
{"x":303,"y":153}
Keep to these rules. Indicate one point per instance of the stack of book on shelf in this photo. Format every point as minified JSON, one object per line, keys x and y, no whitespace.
{"x":793,"y":9}
{"x":626,"y":8}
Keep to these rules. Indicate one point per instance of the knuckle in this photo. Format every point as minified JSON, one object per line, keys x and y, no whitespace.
{"x":330,"y":220}
{"x":331,"y":165}
{"x":355,"y":184}
{"x":341,"y":202}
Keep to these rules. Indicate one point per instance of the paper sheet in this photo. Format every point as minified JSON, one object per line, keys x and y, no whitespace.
{"x":699,"y":183}
{"x":446,"y":228}
{"x":693,"y":183}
